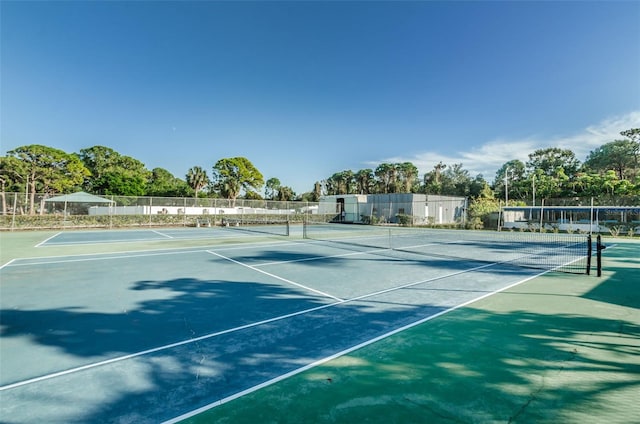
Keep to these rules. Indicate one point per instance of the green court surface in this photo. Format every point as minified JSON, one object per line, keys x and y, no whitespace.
{"x":554,"y":349}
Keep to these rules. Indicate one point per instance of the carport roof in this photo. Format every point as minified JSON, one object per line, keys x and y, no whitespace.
{"x":79,"y":197}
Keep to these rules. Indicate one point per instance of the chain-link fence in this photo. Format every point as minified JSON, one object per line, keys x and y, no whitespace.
{"x":23,"y":211}
{"x":617,"y":216}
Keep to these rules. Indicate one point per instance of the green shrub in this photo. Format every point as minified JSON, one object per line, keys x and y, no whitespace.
{"x":404,"y":220}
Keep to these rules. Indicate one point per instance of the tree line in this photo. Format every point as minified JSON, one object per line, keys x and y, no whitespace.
{"x":612,"y":169}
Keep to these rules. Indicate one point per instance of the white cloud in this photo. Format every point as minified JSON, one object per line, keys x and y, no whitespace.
{"x":491,"y":155}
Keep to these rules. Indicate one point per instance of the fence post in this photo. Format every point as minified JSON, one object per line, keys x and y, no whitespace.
{"x":15,"y":207}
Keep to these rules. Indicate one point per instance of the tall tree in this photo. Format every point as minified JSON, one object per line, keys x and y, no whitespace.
{"x":340,"y":183}
{"x":386,"y":177}
{"x":633,"y":134}
{"x":621,"y":156}
{"x":231,"y":175}
{"x":550,"y":159}
{"x":285,"y":193}
{"x":163,"y":183}
{"x":197,"y":179}
{"x":99,"y":160}
{"x":49,"y":170}
{"x":271,"y":188}
{"x":408,"y":176}
{"x":512,"y":174}
{"x":456,"y":181}
{"x":113,"y":173}
{"x":364,"y":181}
{"x":128,"y":178}
{"x":478,"y":186}
{"x":433,"y":179}
{"x":13,"y":176}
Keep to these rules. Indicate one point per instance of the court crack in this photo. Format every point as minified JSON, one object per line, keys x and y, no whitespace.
{"x":534,"y":396}
{"x":198,"y":351}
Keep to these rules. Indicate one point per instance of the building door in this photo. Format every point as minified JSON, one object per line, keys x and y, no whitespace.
{"x":340,"y":208}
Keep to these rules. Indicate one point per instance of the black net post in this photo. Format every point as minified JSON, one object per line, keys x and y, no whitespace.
{"x":599,"y":248}
{"x":589,"y":248}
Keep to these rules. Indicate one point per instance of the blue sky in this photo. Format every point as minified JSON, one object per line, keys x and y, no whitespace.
{"x":306,"y":89}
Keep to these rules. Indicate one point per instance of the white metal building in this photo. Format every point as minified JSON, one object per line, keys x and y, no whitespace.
{"x":386,"y":208}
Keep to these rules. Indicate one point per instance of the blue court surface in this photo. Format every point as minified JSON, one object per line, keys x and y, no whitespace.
{"x":144,"y":336}
{"x":70,"y":238}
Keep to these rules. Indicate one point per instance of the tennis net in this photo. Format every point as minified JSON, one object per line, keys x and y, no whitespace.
{"x":550,"y":251}
{"x":266,"y":225}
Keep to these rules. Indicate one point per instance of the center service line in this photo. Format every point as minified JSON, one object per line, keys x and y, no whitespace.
{"x":275,"y":276}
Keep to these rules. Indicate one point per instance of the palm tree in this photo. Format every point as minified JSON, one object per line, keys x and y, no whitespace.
{"x":386,"y":174}
{"x":364,"y":177}
{"x":197,"y":179}
{"x":408,"y":176}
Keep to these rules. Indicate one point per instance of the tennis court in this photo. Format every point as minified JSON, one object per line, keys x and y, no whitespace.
{"x":150,"y":325}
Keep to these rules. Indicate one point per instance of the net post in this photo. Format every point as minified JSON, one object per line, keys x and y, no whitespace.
{"x":599,"y":248}
{"x":589,"y":248}
{"x":288,"y":232}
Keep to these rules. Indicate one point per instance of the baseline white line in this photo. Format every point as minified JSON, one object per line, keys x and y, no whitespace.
{"x":102,"y":242}
{"x":44,"y":241}
{"x":276,"y":277}
{"x":141,"y":253}
{"x":219,"y":333}
{"x":341,"y":353}
{"x":130,"y":255}
{"x":7,"y":264}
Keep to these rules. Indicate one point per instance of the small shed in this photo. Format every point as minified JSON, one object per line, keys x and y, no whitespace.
{"x":77,"y":203}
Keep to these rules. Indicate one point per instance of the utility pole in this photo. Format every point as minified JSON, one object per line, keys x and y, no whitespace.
{"x":506,"y":187}
{"x":533,"y":185}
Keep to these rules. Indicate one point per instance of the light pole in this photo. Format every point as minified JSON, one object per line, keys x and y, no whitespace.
{"x":533,"y":186}
{"x":506,"y":187}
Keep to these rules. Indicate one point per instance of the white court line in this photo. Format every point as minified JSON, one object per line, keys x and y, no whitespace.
{"x":46,"y":240}
{"x":139,"y":253}
{"x":7,"y":264}
{"x":131,"y":240}
{"x":162,"y":234}
{"x":103,"y":258}
{"x":276,"y":277}
{"x":339,"y":354}
{"x":231,"y":330}
{"x":100,"y":242}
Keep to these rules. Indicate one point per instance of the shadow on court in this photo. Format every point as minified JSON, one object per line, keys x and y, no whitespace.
{"x":188,"y":308}
{"x":463,"y":360}
{"x":359,"y":258}
{"x":168,"y":382}
{"x":555,"y":349}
